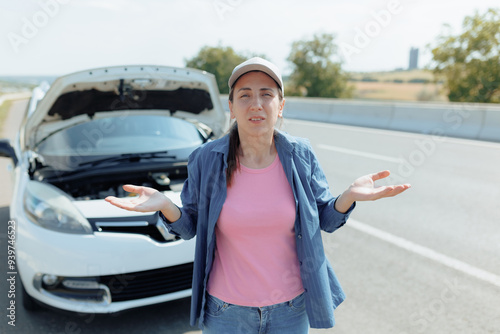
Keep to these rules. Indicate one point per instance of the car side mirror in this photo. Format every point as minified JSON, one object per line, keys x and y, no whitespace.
{"x":6,"y":150}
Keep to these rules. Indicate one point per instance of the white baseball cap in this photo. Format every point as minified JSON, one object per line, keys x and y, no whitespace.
{"x":256,"y":64}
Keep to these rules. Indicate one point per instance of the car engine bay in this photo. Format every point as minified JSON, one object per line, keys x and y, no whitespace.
{"x":82,"y":187}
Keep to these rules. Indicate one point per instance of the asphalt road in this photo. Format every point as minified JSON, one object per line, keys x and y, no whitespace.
{"x":427,"y":261}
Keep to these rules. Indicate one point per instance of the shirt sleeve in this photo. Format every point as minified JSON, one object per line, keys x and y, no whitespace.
{"x":329,"y":218}
{"x":185,"y":226}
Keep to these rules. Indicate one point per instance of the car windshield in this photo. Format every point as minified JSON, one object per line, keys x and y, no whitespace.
{"x":125,"y":134}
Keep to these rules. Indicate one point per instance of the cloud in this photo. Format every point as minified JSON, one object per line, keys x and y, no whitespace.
{"x":110,"y":5}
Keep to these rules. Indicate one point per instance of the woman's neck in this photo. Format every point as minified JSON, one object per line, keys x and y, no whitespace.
{"x":257,"y":152}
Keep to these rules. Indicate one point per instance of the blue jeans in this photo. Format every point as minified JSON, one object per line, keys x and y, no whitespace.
{"x":288,"y":317}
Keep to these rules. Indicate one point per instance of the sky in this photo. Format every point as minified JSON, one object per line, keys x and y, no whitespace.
{"x":56,"y":37}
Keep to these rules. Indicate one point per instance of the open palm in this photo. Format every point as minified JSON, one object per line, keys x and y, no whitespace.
{"x":149,"y":199}
{"x":364,"y":189}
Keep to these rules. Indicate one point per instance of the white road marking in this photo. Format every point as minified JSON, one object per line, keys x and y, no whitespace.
{"x":360,"y":153}
{"x":426,"y":252}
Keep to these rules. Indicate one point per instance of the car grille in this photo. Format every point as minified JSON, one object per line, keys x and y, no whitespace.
{"x":150,"y":283}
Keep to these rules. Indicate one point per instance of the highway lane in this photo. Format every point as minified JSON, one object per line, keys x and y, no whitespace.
{"x":453,"y":205}
{"x":451,"y":209}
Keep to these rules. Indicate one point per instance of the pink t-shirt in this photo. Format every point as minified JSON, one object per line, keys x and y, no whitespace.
{"x":255,"y":260}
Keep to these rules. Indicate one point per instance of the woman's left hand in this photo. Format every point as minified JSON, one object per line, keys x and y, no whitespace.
{"x":364,"y":189}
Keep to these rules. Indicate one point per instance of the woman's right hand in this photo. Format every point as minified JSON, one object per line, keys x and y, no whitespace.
{"x":149,"y":200}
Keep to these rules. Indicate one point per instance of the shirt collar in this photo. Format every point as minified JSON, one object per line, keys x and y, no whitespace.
{"x":222,"y":145}
{"x":285,"y":141}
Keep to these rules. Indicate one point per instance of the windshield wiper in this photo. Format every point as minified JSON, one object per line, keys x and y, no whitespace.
{"x":130,"y":157}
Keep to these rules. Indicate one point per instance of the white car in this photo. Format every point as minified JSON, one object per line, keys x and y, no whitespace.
{"x":82,"y":138}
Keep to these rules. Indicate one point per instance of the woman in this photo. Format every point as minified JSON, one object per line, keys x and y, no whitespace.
{"x":257,"y":200}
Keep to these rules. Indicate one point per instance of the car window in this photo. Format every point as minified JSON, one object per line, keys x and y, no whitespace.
{"x":125,"y":134}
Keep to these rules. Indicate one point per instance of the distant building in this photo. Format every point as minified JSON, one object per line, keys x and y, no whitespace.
{"x":413,"y":59}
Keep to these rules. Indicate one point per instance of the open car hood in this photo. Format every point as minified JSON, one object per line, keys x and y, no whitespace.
{"x":124,"y":90}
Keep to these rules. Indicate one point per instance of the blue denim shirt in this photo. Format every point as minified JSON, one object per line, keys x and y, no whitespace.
{"x":204,"y":194}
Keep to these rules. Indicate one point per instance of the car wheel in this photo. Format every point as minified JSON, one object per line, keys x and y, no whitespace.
{"x":29,"y":303}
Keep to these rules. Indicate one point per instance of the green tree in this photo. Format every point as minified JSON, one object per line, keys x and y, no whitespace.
{"x":470,"y":61}
{"x":314,"y":73}
{"x":219,"y":61}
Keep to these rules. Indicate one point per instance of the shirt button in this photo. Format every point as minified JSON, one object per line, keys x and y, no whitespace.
{"x":300,"y":262}
{"x":299,"y":236}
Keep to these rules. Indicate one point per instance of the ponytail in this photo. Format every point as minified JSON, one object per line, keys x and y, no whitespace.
{"x":232,"y":157}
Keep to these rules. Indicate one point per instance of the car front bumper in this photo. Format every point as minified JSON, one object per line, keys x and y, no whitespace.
{"x":102,"y":272}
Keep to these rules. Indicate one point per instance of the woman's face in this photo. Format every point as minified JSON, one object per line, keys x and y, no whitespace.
{"x":256,"y":105}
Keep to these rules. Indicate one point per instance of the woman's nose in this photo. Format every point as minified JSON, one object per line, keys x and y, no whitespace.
{"x":256,"y":103}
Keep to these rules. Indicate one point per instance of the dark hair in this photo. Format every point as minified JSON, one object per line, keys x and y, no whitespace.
{"x":234,"y":140}
{"x":232,"y":156}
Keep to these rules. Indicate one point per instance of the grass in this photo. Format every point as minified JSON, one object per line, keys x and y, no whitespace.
{"x":4,"y":110}
{"x":391,"y":76}
{"x":14,"y":87}
{"x":398,"y":91}
{"x":414,"y":85}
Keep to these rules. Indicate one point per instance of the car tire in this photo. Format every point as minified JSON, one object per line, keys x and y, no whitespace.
{"x":29,"y":303}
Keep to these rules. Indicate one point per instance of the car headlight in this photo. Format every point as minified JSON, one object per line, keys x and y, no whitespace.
{"x":49,"y":207}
